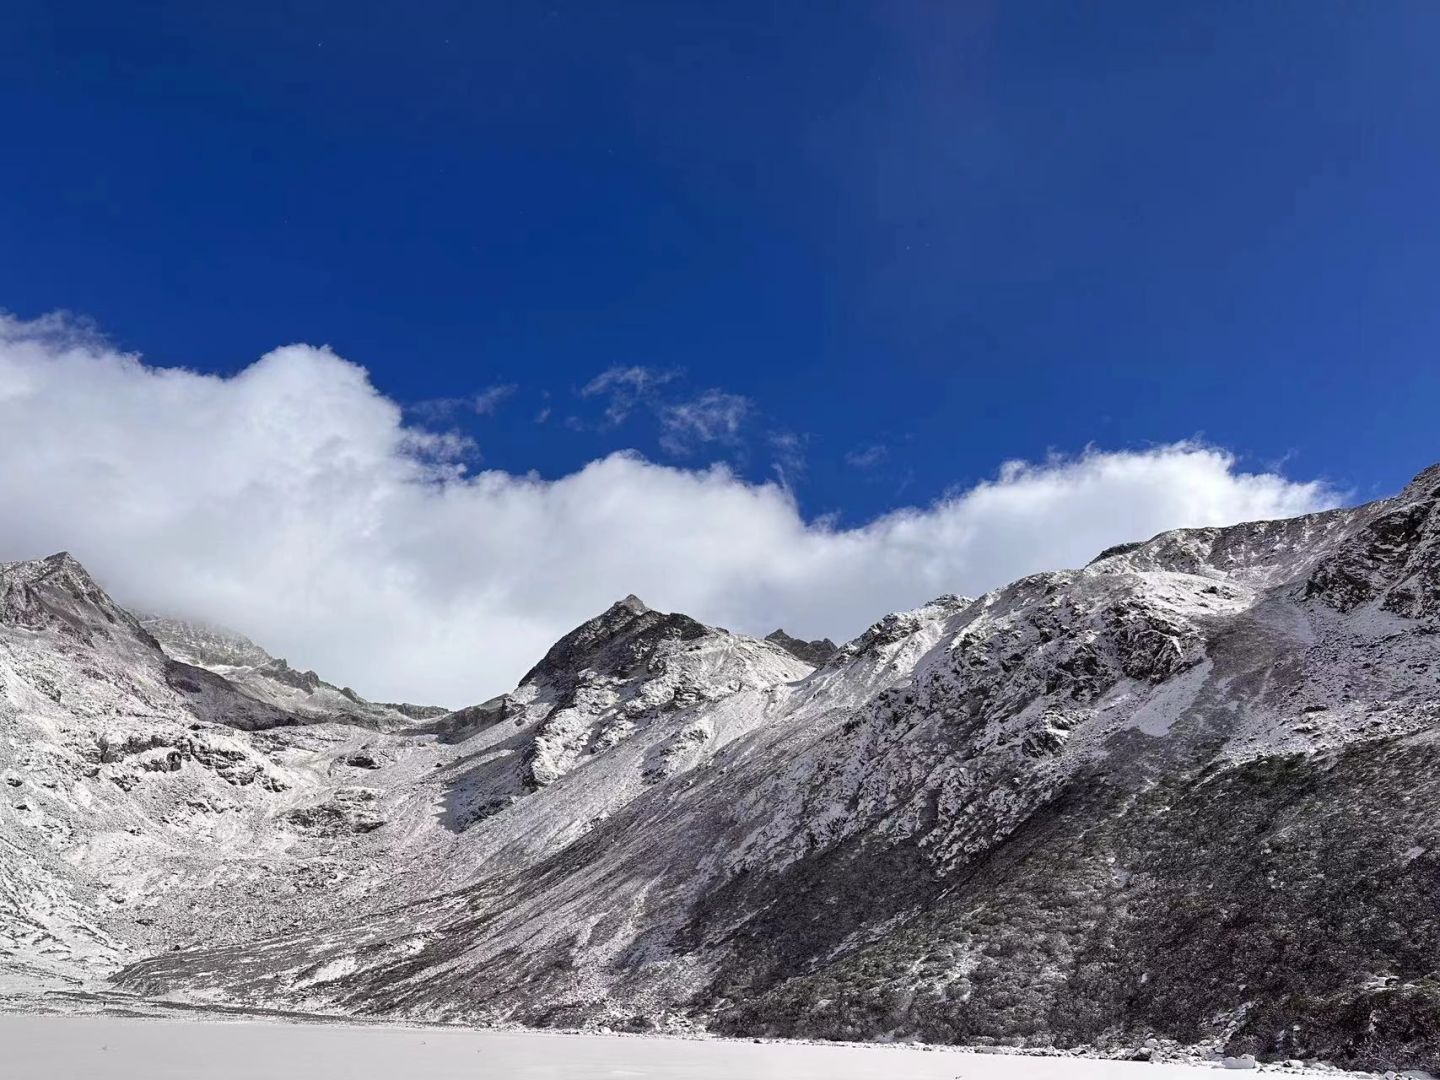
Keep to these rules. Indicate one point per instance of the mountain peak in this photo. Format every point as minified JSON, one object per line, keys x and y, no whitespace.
{"x":58,"y":591}
{"x":1426,"y":484}
{"x":625,"y":625}
{"x":36,"y":569}
{"x":814,"y":653}
{"x":631,"y":603}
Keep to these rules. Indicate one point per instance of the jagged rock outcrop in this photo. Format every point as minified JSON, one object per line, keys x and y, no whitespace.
{"x":1392,"y":561}
{"x":624,"y":668}
{"x":813,"y":653}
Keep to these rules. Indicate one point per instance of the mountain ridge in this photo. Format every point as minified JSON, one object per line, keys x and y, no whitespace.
{"x":1183,"y":793}
{"x":271,"y":679}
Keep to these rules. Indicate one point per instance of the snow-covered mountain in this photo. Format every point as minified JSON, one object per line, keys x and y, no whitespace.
{"x":271,"y":679}
{"x":1186,"y":792}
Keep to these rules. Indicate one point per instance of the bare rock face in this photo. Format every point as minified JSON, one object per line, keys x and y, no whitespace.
{"x":1392,"y":559}
{"x":347,"y":810}
{"x":160,"y":759}
{"x":617,"y":643}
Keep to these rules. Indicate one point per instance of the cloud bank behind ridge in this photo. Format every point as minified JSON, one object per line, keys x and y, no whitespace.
{"x":294,"y":503}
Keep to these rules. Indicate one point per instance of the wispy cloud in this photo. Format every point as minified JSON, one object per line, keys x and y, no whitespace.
{"x":626,"y":387}
{"x":687,"y":423}
{"x":713,"y":416}
{"x":488,"y":400}
{"x":789,"y":449}
{"x":867,"y":457}
{"x":483,"y":403}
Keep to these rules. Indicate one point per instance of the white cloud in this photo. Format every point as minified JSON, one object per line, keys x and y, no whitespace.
{"x":293,"y":502}
{"x":713,"y":416}
{"x":624,"y":388}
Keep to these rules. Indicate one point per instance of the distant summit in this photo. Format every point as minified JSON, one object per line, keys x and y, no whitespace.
{"x":814,"y":653}
{"x":200,"y":643}
{"x":271,"y":679}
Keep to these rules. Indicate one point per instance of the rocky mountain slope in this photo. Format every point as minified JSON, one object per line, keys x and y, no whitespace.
{"x":168,"y":785}
{"x":1187,"y":792}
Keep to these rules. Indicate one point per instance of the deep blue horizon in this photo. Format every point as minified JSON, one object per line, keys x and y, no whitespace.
{"x":885,"y":251}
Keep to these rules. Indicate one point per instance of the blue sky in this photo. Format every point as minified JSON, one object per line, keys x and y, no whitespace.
{"x":1178,"y":258}
{"x":916,"y":239}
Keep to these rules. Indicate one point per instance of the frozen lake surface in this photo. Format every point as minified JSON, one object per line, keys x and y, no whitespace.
{"x":116,"y":1048}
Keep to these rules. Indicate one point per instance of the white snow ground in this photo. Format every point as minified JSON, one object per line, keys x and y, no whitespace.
{"x":83,"y":1047}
